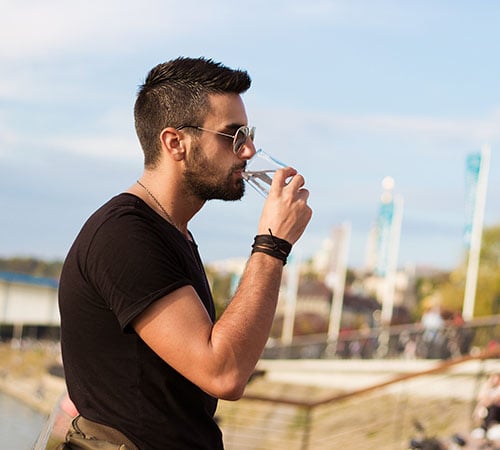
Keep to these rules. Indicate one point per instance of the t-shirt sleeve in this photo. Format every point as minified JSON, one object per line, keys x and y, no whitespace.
{"x":133,"y":262}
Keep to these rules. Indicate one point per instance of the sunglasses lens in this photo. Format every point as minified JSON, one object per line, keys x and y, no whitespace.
{"x":241,"y":136}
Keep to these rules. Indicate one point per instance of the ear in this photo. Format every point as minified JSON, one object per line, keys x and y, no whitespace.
{"x":173,"y":143}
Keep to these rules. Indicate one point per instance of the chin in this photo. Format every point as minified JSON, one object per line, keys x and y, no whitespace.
{"x":235,"y":192}
{"x":233,"y":196}
{"x":228,"y":192}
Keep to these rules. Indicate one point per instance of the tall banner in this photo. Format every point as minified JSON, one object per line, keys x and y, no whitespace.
{"x":335,"y":278}
{"x":387,"y":237}
{"x":392,"y":261}
{"x":472,"y":169}
{"x":292,"y":287}
{"x":383,"y":229}
{"x":477,"y":168}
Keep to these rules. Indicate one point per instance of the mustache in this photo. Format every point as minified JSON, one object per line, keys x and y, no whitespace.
{"x":238,"y":167}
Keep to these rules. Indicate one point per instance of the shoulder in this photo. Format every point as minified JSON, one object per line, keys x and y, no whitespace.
{"x":124,"y":214}
{"x":120,"y":205}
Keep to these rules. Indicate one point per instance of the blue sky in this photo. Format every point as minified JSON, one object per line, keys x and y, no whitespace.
{"x":346,"y":91}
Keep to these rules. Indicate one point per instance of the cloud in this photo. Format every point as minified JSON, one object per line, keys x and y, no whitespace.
{"x":49,"y":28}
{"x":8,"y":137}
{"x":52,"y":29}
{"x":298,"y":124}
{"x":100,"y":146}
{"x":485,"y":128}
{"x":380,"y":14}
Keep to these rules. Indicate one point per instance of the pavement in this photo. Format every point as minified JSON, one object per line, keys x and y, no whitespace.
{"x":350,"y":375}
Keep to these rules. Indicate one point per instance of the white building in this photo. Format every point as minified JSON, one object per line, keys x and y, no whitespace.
{"x":27,"y":301}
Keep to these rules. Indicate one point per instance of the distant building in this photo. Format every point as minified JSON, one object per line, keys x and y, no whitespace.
{"x":313,"y":307}
{"x":28,"y":306}
{"x":404,"y":287}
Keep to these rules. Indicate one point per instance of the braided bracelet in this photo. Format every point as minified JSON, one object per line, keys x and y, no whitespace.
{"x":272,"y":246}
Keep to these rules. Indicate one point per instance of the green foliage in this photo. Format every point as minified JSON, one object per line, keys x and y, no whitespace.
{"x":488,"y":285}
{"x":448,"y":289}
{"x":220,"y":284}
{"x":31,"y":266}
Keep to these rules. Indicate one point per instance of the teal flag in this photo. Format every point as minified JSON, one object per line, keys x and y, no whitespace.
{"x":383,"y":236}
{"x":472,"y":169}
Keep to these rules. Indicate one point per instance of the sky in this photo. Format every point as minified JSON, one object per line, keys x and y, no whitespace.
{"x":346,"y":91}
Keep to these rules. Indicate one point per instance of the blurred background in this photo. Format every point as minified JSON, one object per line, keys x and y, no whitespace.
{"x":391,"y":111}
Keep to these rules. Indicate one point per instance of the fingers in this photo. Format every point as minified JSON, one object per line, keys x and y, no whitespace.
{"x":287,"y":177}
{"x":286,"y":211}
{"x":304,"y":193}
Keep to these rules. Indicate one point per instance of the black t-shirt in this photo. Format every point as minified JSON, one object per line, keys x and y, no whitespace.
{"x":125,"y":258}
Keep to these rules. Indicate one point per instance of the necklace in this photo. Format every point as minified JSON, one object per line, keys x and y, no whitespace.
{"x":167,"y":215}
{"x":170,"y":220}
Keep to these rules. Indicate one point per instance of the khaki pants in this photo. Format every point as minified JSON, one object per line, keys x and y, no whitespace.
{"x":87,"y":435}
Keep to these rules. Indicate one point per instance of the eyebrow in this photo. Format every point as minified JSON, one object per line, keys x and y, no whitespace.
{"x":234,"y":126}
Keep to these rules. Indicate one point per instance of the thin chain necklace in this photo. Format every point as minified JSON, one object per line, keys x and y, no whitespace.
{"x":169,"y":218}
{"x":167,"y":215}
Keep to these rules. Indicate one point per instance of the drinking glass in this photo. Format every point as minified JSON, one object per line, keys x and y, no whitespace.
{"x":260,"y":171}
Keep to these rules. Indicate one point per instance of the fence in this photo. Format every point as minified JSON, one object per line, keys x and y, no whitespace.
{"x":410,"y":341}
{"x":382,"y":416}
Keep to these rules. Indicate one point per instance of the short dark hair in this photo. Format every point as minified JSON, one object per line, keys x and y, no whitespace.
{"x":175,"y":93}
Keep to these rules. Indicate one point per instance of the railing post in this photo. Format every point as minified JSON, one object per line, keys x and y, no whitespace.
{"x":307,"y":428}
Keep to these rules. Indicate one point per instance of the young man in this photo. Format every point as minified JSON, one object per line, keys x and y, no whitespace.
{"x":144,"y":360}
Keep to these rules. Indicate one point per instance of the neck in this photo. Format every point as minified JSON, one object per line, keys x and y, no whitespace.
{"x":153,"y":201}
{"x":168,"y":188}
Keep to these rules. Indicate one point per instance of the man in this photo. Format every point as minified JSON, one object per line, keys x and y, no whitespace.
{"x":144,"y":360}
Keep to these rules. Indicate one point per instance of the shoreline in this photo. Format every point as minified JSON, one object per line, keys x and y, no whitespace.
{"x":25,"y":375}
{"x":40,"y":394}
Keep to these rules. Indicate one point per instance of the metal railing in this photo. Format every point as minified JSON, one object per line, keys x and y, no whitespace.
{"x":381,"y":416}
{"x":408,"y":341}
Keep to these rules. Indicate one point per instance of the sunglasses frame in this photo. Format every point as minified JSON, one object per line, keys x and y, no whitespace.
{"x":248,"y":132}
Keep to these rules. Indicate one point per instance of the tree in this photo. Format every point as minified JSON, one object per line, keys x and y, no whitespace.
{"x":488,"y":285}
{"x":31,"y":266}
{"x":220,"y":283}
{"x":450,"y":291}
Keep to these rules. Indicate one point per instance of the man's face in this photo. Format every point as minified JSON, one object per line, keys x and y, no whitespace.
{"x":213,"y":170}
{"x":209,"y":180}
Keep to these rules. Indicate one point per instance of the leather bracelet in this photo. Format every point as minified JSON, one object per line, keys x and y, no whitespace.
{"x":272,"y":246}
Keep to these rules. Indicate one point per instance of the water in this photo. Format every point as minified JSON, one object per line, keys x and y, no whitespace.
{"x":260,"y":180}
{"x":19,"y":424}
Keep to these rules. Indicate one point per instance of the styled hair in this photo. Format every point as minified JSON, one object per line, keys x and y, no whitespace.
{"x":175,"y":93}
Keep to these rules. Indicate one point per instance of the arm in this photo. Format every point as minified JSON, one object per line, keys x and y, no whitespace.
{"x":220,"y":357}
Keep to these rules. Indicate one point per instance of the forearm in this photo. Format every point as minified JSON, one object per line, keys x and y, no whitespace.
{"x":243,"y":329}
{"x":238,"y":338}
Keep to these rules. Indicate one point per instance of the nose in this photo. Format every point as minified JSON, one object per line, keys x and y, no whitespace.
{"x":247,"y":150}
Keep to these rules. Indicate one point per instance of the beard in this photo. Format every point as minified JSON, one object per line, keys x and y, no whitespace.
{"x":204,"y":178}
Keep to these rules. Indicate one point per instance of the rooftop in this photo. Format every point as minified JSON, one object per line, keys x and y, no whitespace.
{"x":23,"y":278}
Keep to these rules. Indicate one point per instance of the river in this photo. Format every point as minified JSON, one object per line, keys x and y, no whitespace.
{"x":19,"y":424}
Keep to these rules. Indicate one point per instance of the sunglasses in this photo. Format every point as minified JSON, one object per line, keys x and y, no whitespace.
{"x":239,"y":138}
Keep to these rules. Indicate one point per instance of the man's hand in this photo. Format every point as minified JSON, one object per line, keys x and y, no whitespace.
{"x":286,"y":211}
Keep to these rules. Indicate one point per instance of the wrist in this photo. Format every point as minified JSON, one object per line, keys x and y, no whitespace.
{"x":273,"y":246}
